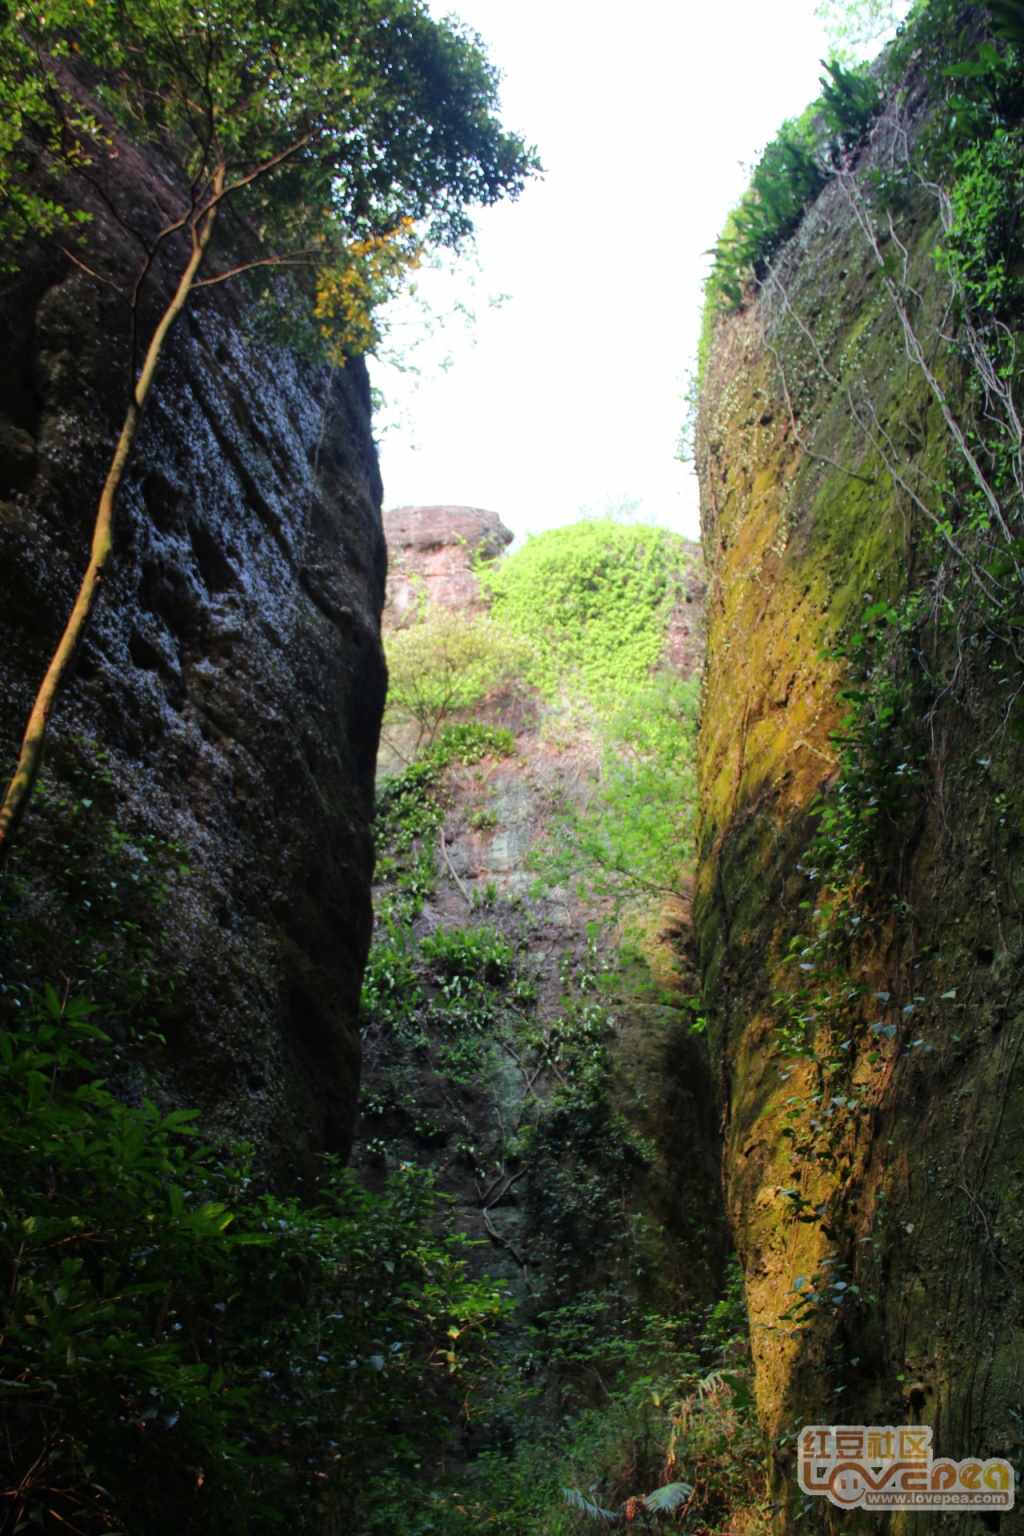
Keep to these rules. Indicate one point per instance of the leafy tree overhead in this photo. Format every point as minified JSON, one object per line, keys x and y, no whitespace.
{"x":316,"y":138}
{"x":857,"y":28}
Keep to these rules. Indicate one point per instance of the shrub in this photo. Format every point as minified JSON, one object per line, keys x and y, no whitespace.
{"x":444,"y":662}
{"x":790,"y":174}
{"x":593,"y":601}
{"x":184,"y":1353}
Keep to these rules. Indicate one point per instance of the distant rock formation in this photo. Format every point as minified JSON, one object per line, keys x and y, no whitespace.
{"x":431,"y":552}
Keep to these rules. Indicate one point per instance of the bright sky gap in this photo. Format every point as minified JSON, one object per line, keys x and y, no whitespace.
{"x":570,"y":395}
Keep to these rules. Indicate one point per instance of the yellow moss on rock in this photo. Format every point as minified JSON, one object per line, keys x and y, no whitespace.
{"x":805,"y":527}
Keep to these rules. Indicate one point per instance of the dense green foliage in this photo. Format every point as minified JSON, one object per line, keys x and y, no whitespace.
{"x":789,"y":175}
{"x":581,"y":612}
{"x":184,"y":1351}
{"x":593,"y":1390}
{"x":633,"y":837}
{"x":297,"y":103}
{"x":593,"y":600}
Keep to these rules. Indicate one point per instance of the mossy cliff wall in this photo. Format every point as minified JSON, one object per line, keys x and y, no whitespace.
{"x":858,"y":909}
{"x":229,"y":693}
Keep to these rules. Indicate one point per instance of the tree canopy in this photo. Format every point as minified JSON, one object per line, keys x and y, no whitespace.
{"x":328,"y":120}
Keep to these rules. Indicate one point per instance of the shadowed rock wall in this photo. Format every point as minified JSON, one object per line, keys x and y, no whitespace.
{"x":233,"y":675}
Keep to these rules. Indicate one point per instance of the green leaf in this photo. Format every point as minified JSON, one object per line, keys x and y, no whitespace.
{"x":669,"y":1497}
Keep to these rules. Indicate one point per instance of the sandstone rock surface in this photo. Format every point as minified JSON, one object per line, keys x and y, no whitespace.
{"x":866,"y":1013}
{"x":431,"y":551}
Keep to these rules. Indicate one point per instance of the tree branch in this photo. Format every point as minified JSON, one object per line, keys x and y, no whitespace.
{"x":303,"y":259}
{"x":30,"y":759}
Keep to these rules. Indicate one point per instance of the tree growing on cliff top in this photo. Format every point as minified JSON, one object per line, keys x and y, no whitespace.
{"x":323,"y":139}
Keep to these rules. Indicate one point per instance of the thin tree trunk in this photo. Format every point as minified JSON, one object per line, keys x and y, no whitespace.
{"x":30,"y":760}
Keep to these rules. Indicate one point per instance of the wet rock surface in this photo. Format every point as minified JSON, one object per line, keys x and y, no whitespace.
{"x":228,"y":695}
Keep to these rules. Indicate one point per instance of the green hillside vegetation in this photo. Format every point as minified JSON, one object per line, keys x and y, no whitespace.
{"x":616,"y":1388}
{"x":188,"y":1351}
{"x":579,"y":616}
{"x":183,"y":1350}
{"x":593,"y":600}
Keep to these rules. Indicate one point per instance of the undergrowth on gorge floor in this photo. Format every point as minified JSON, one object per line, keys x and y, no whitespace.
{"x":614,"y":1396}
{"x":183,"y":1350}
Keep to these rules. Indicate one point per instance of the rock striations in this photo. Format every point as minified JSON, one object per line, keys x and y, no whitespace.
{"x":229,"y":694}
{"x":858,"y":936}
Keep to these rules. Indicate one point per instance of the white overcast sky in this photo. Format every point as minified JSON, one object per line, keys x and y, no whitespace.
{"x":647,"y":117}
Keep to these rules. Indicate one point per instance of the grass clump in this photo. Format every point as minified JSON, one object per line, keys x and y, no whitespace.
{"x":472,"y":953}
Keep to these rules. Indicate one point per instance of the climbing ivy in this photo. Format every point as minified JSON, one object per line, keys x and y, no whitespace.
{"x":593,"y":600}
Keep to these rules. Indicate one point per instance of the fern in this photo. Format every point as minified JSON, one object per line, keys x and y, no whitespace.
{"x":579,"y":1501}
{"x":790,"y":174}
{"x":662,"y":1500}
{"x":849,"y":103}
{"x":1008,"y":20}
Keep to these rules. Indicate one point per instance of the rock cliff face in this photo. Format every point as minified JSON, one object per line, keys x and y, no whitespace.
{"x":228,"y":697}
{"x":857,"y":910}
{"x":432,"y":550}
